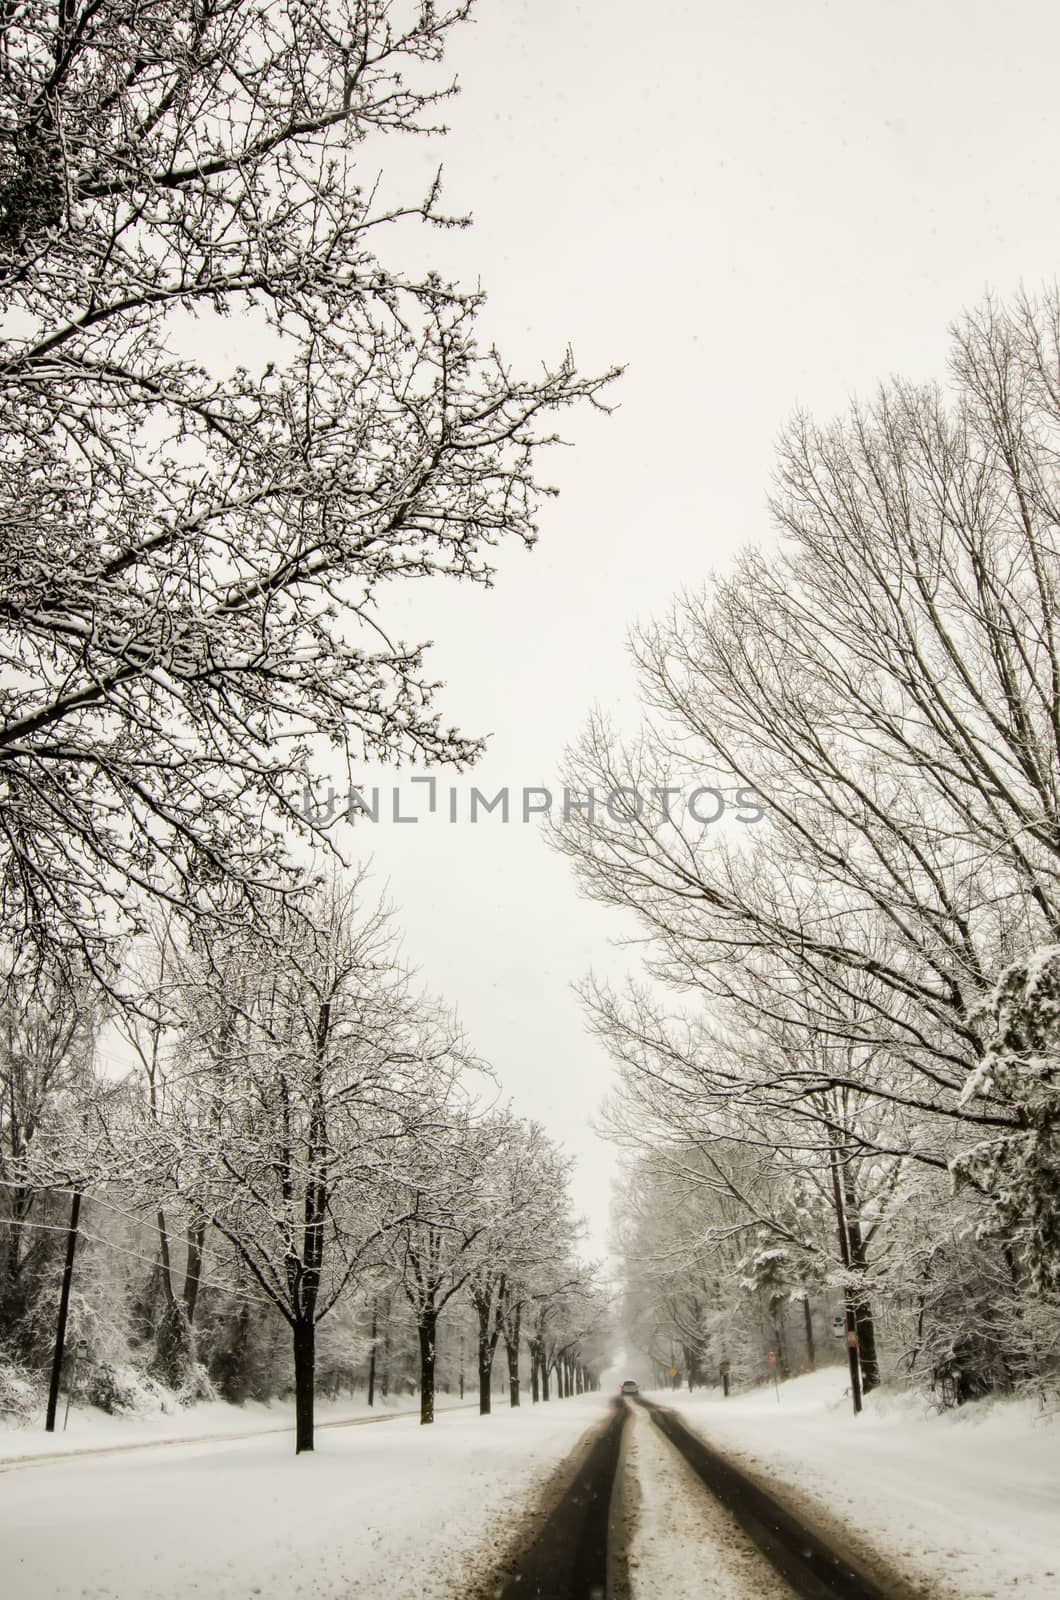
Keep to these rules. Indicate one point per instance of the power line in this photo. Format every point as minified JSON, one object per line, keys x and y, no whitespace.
{"x":150,"y":1261}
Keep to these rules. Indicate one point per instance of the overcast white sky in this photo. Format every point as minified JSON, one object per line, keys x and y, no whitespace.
{"x":756,"y":207}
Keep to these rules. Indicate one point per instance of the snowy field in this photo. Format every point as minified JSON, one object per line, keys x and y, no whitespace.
{"x":91,"y":1429}
{"x":395,"y":1512}
{"x":969,"y":1500}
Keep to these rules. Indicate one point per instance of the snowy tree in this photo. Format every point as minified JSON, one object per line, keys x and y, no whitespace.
{"x":578,"y":1332}
{"x":1021,"y":1170}
{"x":153,"y":977}
{"x":886,"y":684}
{"x":528,"y":1205}
{"x":196,"y":540}
{"x":48,"y":1030}
{"x":566,"y":1305}
{"x":670,"y":1266}
{"x":444,"y":1236}
{"x":307,"y":1061}
{"x":759,"y":1130}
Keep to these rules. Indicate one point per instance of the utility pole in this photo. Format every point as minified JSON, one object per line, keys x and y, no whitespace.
{"x":807,"y":1318}
{"x":64,"y":1308}
{"x":371,"y":1357}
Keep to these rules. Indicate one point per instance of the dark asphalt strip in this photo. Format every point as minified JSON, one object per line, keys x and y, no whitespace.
{"x":568,"y":1558}
{"x":813,"y":1570}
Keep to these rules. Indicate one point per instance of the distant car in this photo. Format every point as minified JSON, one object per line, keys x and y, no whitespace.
{"x":630,"y":1387}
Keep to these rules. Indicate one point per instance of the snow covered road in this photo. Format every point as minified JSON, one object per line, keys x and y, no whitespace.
{"x":684,"y":1546}
{"x":384,"y":1513}
{"x":644,"y":1512}
{"x":967,"y":1505}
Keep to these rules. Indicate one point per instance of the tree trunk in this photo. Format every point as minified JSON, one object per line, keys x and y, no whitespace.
{"x":851,"y":1320}
{"x":485,"y":1349}
{"x":512,"y":1352}
{"x":544,"y":1378}
{"x":535,"y":1377}
{"x":305,"y":1339}
{"x":864,"y":1320}
{"x":485,"y":1371}
{"x":427,"y":1329}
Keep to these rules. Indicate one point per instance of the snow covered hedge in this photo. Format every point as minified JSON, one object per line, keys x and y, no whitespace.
{"x":19,"y":1394}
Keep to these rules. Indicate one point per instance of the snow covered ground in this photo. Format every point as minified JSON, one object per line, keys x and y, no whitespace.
{"x":91,"y":1429}
{"x":968,"y":1501}
{"x":394,"y":1512}
{"x":685,"y":1546}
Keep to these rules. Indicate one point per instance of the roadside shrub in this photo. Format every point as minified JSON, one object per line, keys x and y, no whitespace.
{"x":120,"y":1390}
{"x":20,"y":1398}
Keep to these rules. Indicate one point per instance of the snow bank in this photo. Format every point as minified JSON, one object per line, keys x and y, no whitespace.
{"x":968,"y":1500}
{"x":92,"y":1429}
{"x":394,"y":1512}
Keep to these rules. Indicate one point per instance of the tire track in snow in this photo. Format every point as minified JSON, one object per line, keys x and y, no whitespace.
{"x":681,"y":1542}
{"x":567,"y":1554}
{"x":814,"y":1570}
{"x":586,"y":1539}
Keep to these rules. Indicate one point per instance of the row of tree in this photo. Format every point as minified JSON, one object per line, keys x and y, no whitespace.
{"x":233,"y":420}
{"x":303,"y":1131}
{"x":862,"y":1090}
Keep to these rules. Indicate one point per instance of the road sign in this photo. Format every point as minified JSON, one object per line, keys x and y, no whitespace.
{"x":724,"y":1368}
{"x":839,"y":1325}
{"x":852,"y":1340}
{"x":772,"y":1358}
{"x":673,"y":1372}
